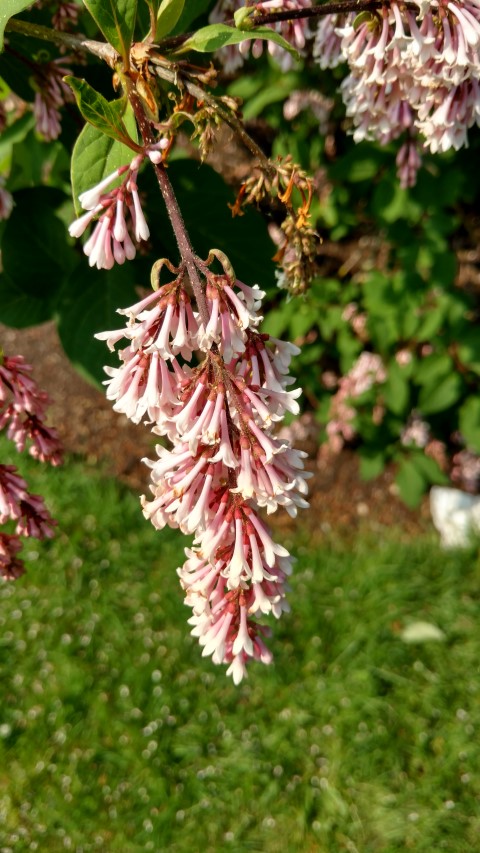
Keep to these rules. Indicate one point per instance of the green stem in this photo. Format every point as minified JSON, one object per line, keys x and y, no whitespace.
{"x":97,"y":48}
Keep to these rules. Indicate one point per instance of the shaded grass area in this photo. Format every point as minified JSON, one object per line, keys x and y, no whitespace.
{"x":115,"y":734}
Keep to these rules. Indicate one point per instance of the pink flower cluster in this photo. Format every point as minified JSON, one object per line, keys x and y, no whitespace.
{"x":416,"y":432}
{"x":118,"y":214}
{"x":216,"y":388}
{"x":22,"y":410}
{"x":296,"y":32}
{"x":51,"y":94}
{"x":66,"y":16}
{"x":466,"y":470}
{"x":64,"y":13}
{"x":31,"y":517}
{"x":413,"y":74}
{"x":368,"y":370}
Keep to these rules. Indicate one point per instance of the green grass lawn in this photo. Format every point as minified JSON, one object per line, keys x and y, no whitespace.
{"x":116,"y":735}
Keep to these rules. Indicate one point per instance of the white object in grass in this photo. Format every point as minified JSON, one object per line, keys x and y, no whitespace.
{"x":455,"y":514}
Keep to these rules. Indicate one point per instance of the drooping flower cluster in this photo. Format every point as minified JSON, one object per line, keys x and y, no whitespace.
{"x":215,"y":387}
{"x":22,"y":412}
{"x":64,"y":13}
{"x":66,"y":16}
{"x":409,"y":73}
{"x":296,"y":32}
{"x":413,"y":75}
{"x":51,"y":94}
{"x":118,"y":214}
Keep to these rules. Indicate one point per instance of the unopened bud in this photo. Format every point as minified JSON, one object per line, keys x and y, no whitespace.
{"x":242,"y":16}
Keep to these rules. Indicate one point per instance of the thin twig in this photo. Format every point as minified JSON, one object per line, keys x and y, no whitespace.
{"x":101,"y":49}
{"x":341,"y":7}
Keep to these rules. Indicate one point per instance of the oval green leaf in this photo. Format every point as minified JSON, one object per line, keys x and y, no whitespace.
{"x":9,"y":8}
{"x":168,"y":17}
{"x":438,"y":397}
{"x":116,"y":19}
{"x":106,"y":116}
{"x":35,"y":253}
{"x":470,"y":423}
{"x":215,"y":36}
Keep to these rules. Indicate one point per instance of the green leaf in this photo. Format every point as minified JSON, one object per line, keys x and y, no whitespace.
{"x":396,"y":390}
{"x":469,"y":349}
{"x":87,"y":305}
{"x":438,"y":397}
{"x":301,"y":320}
{"x":444,"y":269}
{"x":430,"y":469}
{"x":242,"y":18}
{"x":19,"y":310}
{"x":15,"y":73}
{"x":16,"y":132}
{"x":168,"y":17}
{"x":470,"y":423}
{"x":410,"y":482}
{"x":35,"y":253}
{"x":431,"y":323}
{"x":371,"y":464}
{"x":363,"y":18}
{"x":32,"y":159}
{"x":362,"y":162}
{"x":433,"y":368}
{"x":10,"y":8}
{"x":102,"y":114}
{"x":270,"y":95}
{"x":330,"y":320}
{"x":116,"y":20}
{"x":192,"y":10}
{"x":95,"y":156}
{"x":215,"y":36}
{"x":277,"y":320}
{"x":390,"y":202}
